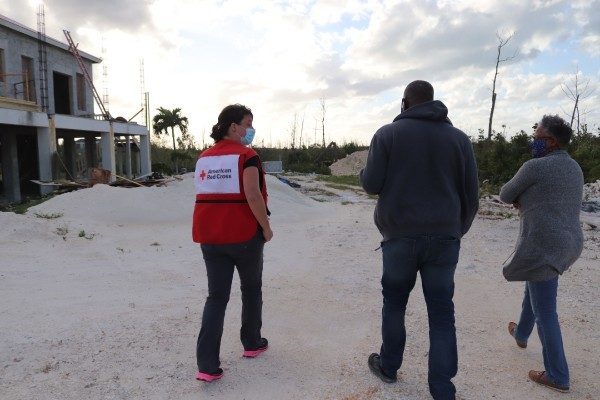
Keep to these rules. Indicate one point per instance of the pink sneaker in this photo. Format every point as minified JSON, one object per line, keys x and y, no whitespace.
{"x":251,"y":353}
{"x":203,"y":376}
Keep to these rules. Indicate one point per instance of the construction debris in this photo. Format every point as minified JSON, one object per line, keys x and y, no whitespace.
{"x":103,"y":176}
{"x":99,"y":175}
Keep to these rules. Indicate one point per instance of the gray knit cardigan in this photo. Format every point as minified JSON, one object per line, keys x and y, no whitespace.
{"x":549,"y":190}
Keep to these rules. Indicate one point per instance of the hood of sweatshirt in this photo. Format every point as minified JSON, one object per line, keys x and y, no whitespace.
{"x":433,"y":110}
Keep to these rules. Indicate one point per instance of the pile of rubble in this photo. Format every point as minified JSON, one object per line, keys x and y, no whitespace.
{"x":351,"y":164}
{"x":491,"y":207}
{"x":591,"y":191}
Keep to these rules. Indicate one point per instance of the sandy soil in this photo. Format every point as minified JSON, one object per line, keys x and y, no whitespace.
{"x":105,"y":301}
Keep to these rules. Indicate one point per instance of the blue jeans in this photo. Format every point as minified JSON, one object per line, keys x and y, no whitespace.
{"x":539,"y":307}
{"x":435,"y":258}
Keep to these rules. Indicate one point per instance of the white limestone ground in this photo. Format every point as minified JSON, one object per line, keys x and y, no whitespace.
{"x":114,"y":314}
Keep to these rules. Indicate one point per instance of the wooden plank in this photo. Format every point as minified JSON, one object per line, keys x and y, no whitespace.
{"x":45,"y":183}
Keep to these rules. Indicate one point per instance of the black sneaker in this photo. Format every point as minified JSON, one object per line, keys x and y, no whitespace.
{"x":262,"y":347}
{"x":375,"y":367}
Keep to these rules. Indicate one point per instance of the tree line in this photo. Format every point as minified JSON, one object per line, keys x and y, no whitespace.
{"x":498,"y":158}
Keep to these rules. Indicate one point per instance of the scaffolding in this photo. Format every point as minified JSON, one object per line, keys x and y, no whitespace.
{"x":86,"y":75}
{"x":42,"y":57}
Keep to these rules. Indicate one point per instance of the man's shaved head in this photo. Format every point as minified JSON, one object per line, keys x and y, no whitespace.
{"x":418,"y":92}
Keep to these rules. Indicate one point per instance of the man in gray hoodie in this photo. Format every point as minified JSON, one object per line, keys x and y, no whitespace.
{"x":424,"y":171}
{"x":547,"y":190}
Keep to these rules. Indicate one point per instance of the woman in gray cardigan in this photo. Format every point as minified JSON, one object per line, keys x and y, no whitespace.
{"x":547,"y":190}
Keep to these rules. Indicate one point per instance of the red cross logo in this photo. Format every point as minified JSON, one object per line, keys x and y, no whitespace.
{"x":202,"y":175}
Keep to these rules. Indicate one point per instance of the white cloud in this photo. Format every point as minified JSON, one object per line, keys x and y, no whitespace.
{"x":279,"y":58}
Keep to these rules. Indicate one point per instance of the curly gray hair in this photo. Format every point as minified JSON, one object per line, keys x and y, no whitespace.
{"x":557,"y":127}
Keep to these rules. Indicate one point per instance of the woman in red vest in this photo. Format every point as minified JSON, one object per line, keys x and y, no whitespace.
{"x":231,"y":224}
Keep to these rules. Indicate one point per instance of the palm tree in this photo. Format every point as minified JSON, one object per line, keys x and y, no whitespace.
{"x":166,"y":119}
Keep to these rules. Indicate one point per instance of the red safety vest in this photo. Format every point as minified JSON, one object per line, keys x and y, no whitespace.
{"x":222,"y":214}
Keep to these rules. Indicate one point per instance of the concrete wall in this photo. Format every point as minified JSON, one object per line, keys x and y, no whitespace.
{"x":16,"y":44}
{"x":16,"y":41}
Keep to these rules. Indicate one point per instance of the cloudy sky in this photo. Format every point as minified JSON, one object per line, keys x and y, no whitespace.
{"x":281,"y":57}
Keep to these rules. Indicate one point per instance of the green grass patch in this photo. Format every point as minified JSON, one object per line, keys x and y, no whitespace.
{"x":358,"y":190}
{"x":488,"y":189}
{"x":22,"y":207}
{"x":321,"y":192}
{"x":338,"y":187}
{"x":62,"y":231}
{"x":48,"y":215}
{"x":351,"y":180}
{"x":82,"y":234}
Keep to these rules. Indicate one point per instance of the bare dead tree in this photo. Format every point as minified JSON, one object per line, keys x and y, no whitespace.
{"x":323,"y":109}
{"x":293,"y":128}
{"x":577,"y":91}
{"x":301,"y":130}
{"x":502,"y":41}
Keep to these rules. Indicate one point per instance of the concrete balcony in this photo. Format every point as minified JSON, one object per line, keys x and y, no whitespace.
{"x":16,"y":104}
{"x":17,"y":94}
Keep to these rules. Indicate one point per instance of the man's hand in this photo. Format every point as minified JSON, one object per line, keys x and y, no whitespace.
{"x":268,"y":234}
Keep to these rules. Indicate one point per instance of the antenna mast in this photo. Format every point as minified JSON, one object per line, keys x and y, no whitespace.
{"x":143,"y":90}
{"x":104,"y":77}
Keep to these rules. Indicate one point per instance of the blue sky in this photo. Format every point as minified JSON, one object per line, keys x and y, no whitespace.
{"x":279,"y":58}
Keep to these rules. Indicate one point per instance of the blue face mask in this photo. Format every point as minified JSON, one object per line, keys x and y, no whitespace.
{"x":246,"y":140}
{"x":538,"y":148}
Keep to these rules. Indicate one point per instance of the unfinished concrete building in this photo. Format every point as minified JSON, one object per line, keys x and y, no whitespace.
{"x":48,"y":129}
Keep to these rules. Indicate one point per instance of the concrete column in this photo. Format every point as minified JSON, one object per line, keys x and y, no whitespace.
{"x":10,"y":167}
{"x":69,"y":152}
{"x":128,"y":156}
{"x":46,"y":155}
{"x":52,"y":146}
{"x":119,"y":162}
{"x":146,"y":166}
{"x":107,"y":142}
{"x":90,"y":152}
{"x":135,"y":163}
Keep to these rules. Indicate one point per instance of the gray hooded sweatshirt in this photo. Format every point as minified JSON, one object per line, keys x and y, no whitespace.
{"x":549,"y":191}
{"x":424,"y":171}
